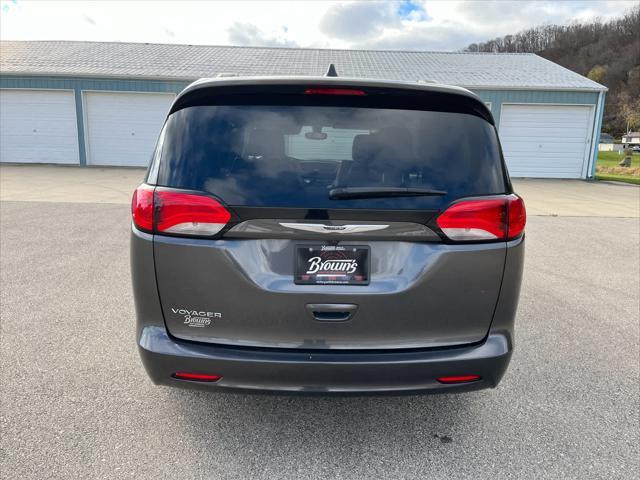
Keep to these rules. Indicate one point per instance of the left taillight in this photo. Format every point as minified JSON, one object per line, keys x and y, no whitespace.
{"x":177,"y":213}
{"x":187,"y":214}
{"x":484,"y":219}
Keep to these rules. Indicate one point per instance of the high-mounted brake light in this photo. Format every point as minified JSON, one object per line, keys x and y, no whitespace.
{"x":335,"y":91}
{"x":484,"y":219}
{"x":164,"y":211}
{"x":196,"y":377}
{"x":459,"y":379}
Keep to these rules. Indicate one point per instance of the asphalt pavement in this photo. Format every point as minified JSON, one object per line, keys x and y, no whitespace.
{"x":76,"y":402}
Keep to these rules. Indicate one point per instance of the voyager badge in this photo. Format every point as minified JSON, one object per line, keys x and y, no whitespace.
{"x":196,"y":318}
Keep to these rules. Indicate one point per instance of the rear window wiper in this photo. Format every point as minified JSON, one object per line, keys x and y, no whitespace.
{"x":343,"y":193}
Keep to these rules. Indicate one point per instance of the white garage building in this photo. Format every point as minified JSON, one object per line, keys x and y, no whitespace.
{"x":104,"y":103}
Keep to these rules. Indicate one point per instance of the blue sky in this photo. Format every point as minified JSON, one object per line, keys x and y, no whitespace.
{"x":403,"y":24}
{"x":411,"y":10}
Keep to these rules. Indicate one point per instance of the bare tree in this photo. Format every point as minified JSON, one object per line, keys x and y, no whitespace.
{"x":606,"y":52}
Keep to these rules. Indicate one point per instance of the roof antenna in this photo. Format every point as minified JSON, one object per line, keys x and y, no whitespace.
{"x":331,"y":71}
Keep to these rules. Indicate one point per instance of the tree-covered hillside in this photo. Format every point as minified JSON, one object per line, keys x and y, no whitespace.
{"x":607,"y":52}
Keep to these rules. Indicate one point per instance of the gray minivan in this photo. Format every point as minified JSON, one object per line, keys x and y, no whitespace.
{"x":314,"y":234}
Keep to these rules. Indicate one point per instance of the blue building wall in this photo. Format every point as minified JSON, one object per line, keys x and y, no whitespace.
{"x":78,"y":85}
{"x":495,"y":97}
{"x":498,"y":97}
{"x":108,"y":84}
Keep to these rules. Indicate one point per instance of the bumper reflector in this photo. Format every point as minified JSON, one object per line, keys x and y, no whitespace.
{"x":459,"y":379}
{"x":196,"y":377}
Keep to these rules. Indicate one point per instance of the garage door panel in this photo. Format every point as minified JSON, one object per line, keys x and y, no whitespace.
{"x":566,"y":168}
{"x":568,"y":128}
{"x":546,"y":144}
{"x":542,"y":108}
{"x":533,"y":136}
{"x":536,"y":147}
{"x":545,"y":140}
{"x":542,"y":165}
{"x":533,"y":119}
{"x":544,"y":160}
{"x":570,"y":165}
{"x":122,"y":128}
{"x":38,"y":126}
{"x":532,"y":114}
{"x":560,"y":130}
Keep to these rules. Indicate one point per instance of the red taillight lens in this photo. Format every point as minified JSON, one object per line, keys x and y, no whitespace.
{"x":188,"y":214}
{"x":517,"y":217}
{"x":474,"y":220}
{"x":334,"y":91}
{"x":196,"y":377}
{"x":478,"y":219}
{"x":142,"y":207}
{"x":459,"y":379}
{"x":164,"y":211}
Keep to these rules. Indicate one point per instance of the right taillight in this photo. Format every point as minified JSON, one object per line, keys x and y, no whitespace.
{"x":517,"y":216}
{"x":178,"y":213}
{"x":142,"y":207}
{"x":484,"y":219}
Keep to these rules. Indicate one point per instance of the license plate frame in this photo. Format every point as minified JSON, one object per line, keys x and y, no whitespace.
{"x":324,"y":264}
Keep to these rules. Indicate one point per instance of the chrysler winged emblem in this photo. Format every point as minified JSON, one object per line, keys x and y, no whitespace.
{"x":320,"y":228}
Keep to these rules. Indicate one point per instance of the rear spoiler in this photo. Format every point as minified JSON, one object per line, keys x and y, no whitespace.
{"x":295,"y":91}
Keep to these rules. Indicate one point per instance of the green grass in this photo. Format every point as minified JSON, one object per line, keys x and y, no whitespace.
{"x":618,"y":178}
{"x":611,"y":159}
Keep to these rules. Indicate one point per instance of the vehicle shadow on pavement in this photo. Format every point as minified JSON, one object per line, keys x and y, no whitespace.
{"x":342,"y":432}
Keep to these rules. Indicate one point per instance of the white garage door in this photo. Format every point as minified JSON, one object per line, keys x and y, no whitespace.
{"x":546,"y":140}
{"x":122,"y":128}
{"x":38,"y":126}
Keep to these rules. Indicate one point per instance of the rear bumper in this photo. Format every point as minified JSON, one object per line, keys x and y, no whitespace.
{"x":252,"y":369}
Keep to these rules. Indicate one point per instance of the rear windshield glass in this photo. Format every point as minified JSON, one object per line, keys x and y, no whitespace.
{"x":293,"y":156}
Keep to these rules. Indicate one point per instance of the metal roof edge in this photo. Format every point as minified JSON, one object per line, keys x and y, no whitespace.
{"x":538,"y":88}
{"x":571,"y":71}
{"x":262,"y":47}
{"x":105,"y":76}
{"x":602,"y":88}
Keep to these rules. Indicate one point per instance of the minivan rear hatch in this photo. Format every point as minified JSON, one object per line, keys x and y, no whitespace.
{"x":330,"y":194}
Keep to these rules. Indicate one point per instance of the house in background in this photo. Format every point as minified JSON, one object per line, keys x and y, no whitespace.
{"x":93,"y":103}
{"x":607,"y":145}
{"x":605,"y":138}
{"x":631,"y":138}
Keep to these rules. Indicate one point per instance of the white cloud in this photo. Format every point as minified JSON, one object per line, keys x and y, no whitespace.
{"x":359,"y":20}
{"x":242,"y":33}
{"x":418,"y":24}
